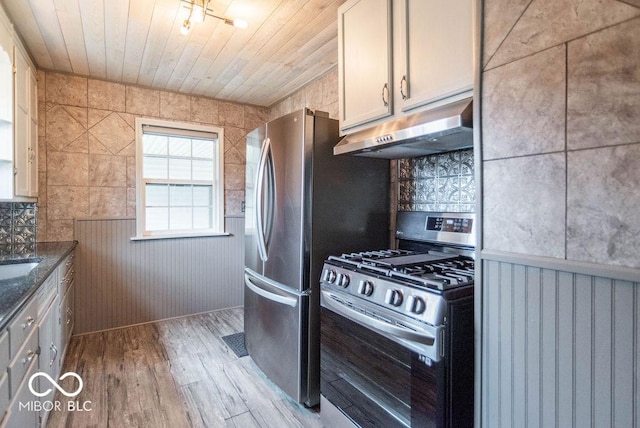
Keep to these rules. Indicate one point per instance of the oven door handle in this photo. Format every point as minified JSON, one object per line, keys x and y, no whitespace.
{"x":376,"y":325}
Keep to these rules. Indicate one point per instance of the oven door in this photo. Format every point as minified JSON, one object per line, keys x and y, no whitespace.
{"x":373,"y":380}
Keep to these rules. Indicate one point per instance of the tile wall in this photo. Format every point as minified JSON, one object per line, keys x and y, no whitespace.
{"x":560,"y":129}
{"x":87,"y":146}
{"x":18,"y":226}
{"x":319,"y":94}
{"x":441,"y":182}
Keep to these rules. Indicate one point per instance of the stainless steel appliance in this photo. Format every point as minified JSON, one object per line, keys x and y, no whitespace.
{"x":397,"y":328}
{"x":302,"y":204}
{"x":442,"y":129}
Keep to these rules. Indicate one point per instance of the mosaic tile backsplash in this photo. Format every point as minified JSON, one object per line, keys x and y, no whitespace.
{"x":440,"y":182}
{"x":18,"y":227}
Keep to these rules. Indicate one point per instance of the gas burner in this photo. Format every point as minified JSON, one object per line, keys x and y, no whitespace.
{"x":427,"y":269}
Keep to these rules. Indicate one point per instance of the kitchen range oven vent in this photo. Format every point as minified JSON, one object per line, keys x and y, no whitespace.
{"x":439,"y":130}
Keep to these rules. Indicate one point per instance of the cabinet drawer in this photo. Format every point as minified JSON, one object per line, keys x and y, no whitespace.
{"x":22,"y":361}
{"x":4,"y":394}
{"x":47,"y":293}
{"x":22,"y":417}
{"x":24,"y":323}
{"x":66,"y":273}
{"x":4,"y":351}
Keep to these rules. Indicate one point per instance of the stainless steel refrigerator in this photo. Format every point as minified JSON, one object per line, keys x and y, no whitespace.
{"x":302,"y":205}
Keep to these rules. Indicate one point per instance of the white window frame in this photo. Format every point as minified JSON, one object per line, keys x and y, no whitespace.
{"x":218,"y":182}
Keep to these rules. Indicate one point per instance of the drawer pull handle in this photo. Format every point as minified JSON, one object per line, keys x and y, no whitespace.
{"x":29,"y":322}
{"x":29,"y":357}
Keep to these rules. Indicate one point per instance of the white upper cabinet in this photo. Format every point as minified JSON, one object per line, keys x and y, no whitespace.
{"x":26,"y":128}
{"x":426,"y":56}
{"x":435,"y":59}
{"x":18,"y":118}
{"x":364,"y":51}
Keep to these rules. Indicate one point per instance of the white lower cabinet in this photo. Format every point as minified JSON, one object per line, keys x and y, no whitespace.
{"x":35,"y":341}
{"x":18,"y":417}
{"x":48,"y":361}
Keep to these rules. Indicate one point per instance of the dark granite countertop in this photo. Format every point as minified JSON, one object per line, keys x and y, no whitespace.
{"x":15,"y":292}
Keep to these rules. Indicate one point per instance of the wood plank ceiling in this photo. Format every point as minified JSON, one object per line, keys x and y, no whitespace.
{"x":287,"y":44}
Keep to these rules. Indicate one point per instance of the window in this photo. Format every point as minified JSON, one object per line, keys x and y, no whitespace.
{"x":180,"y":189}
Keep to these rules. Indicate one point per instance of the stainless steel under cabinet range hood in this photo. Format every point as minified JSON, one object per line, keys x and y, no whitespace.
{"x":441,"y":129}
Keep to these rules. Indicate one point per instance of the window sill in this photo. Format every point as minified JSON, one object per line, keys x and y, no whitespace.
{"x":179,"y":236}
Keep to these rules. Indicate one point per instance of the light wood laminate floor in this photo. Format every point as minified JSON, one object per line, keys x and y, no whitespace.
{"x":174,"y":373}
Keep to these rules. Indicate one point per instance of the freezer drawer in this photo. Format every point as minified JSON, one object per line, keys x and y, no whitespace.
{"x":277,"y":334}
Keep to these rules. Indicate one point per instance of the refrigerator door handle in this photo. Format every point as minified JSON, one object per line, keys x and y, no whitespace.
{"x":262,"y":246}
{"x":278,"y":298}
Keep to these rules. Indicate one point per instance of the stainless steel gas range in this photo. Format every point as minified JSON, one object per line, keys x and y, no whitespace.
{"x":397,"y":328}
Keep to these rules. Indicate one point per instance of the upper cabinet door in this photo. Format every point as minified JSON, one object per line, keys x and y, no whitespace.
{"x":436,"y":55}
{"x":365,"y":45}
{"x":21,"y":146}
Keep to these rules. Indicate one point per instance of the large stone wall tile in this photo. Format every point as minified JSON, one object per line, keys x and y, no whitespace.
{"x":142,"y":101}
{"x":113,"y":132}
{"x":204,"y":110}
{"x":62,"y":127}
{"x":234,"y":136}
{"x":603,"y":208}
{"x":548,"y":23}
{"x":233,"y":156}
{"x":42,"y":154}
{"x":59,"y":230}
{"x":42,"y":189}
{"x":298,"y":100}
{"x":523,"y":106}
{"x":41,"y":234}
{"x":233,"y":202}
{"x":234,"y":177}
{"x":499,"y":18}
{"x":524,"y":205}
{"x":330,"y":87}
{"x":254,"y":117}
{"x":106,"y":95}
{"x":231,"y":114}
{"x":67,"y":169}
{"x":107,"y":201}
{"x":313,"y":94}
{"x":65,"y":89}
{"x":107,"y":170}
{"x":67,"y":202}
{"x":131,"y":171}
{"x":131,"y":202}
{"x":604,"y":88}
{"x":175,"y":106}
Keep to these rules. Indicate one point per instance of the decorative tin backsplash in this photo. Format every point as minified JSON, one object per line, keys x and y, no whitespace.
{"x":441,"y":182}
{"x":18,"y":227}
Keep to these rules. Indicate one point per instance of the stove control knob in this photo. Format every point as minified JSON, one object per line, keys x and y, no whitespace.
{"x":343,"y":280}
{"x":365,"y":288}
{"x":416,"y":304}
{"x":393,"y":297}
{"x":330,"y":276}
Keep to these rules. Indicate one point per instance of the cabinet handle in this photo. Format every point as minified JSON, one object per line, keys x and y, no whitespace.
{"x":53,"y":348}
{"x":29,"y":322}
{"x":403,"y":83}
{"x":385,"y":95}
{"x":29,"y":357}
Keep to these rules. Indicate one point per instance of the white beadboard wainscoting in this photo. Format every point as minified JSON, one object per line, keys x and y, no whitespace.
{"x":559,"y":348}
{"x":122,"y":282}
